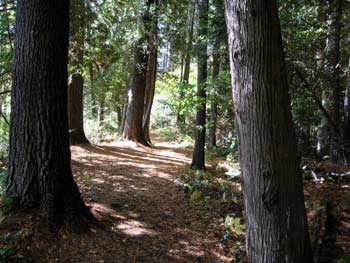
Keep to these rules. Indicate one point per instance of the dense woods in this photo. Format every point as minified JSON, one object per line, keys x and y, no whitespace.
{"x":174,"y":131}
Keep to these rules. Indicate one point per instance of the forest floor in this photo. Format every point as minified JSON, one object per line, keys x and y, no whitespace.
{"x":139,"y":198}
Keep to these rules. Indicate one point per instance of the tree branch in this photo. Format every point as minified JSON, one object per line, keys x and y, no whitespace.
{"x":317,"y":100}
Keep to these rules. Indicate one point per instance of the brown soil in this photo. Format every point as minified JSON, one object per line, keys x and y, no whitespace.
{"x":142,"y":215}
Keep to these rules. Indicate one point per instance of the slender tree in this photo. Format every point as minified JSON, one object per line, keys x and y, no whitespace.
{"x":40,"y":174}
{"x":213,"y":102}
{"x":151,"y":73}
{"x":276,"y":224}
{"x":187,"y":56}
{"x":218,"y":32}
{"x":198,"y":159}
{"x":336,"y":154}
{"x":76,"y":86}
{"x":346,"y":129}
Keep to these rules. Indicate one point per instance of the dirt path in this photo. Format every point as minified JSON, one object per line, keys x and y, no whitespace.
{"x":132,"y":192}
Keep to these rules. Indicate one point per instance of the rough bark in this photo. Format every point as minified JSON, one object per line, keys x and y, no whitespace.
{"x":276,"y":224}
{"x":198,"y":158}
{"x":40,"y":174}
{"x":133,"y":129}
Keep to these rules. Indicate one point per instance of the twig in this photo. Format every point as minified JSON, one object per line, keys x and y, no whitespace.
{"x":4,"y":117}
{"x":5,"y":92}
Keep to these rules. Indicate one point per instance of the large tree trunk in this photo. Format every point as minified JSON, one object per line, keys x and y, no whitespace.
{"x":187,"y":60}
{"x":133,"y":129}
{"x":40,"y":174}
{"x":198,"y":159}
{"x":276,"y":224}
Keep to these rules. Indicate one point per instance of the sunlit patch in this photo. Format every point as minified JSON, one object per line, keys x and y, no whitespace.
{"x":134,"y":215}
{"x":100,"y":210}
{"x":135,"y":228}
{"x":98,"y":181}
{"x":221,"y":257}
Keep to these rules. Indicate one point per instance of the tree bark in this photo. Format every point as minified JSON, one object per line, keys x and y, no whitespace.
{"x":93,"y":91}
{"x":213,"y":103}
{"x":324,"y":132}
{"x":215,"y":75}
{"x":133,"y":129}
{"x":151,"y":74}
{"x":75,"y":110}
{"x":40,"y":174}
{"x":336,"y":153}
{"x":276,"y":224}
{"x":346,"y":129}
{"x":75,"y":93}
{"x":198,"y":158}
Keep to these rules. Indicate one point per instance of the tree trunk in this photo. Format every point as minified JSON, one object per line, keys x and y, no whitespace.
{"x":323,"y":134}
{"x":75,"y":93}
{"x":150,"y":91}
{"x":101,"y":110}
{"x":133,"y":129}
{"x":75,"y":110}
{"x":151,"y":75}
{"x":276,"y":224}
{"x":215,"y":76}
{"x":188,"y":50}
{"x":92,"y":91}
{"x":125,"y":107}
{"x":40,"y":173}
{"x":336,"y":154}
{"x":213,"y":103}
{"x":324,"y":129}
{"x":198,"y":159}
{"x":346,"y":130}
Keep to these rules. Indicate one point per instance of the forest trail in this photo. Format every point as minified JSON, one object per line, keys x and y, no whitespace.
{"x":132,"y":192}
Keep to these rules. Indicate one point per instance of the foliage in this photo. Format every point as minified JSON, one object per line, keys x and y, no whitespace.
{"x":5,"y":253}
{"x":200,"y":184}
{"x":344,"y":260}
{"x":233,"y":224}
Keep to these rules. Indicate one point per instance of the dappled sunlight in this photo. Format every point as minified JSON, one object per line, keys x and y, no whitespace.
{"x":135,"y":228}
{"x":133,"y":189}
